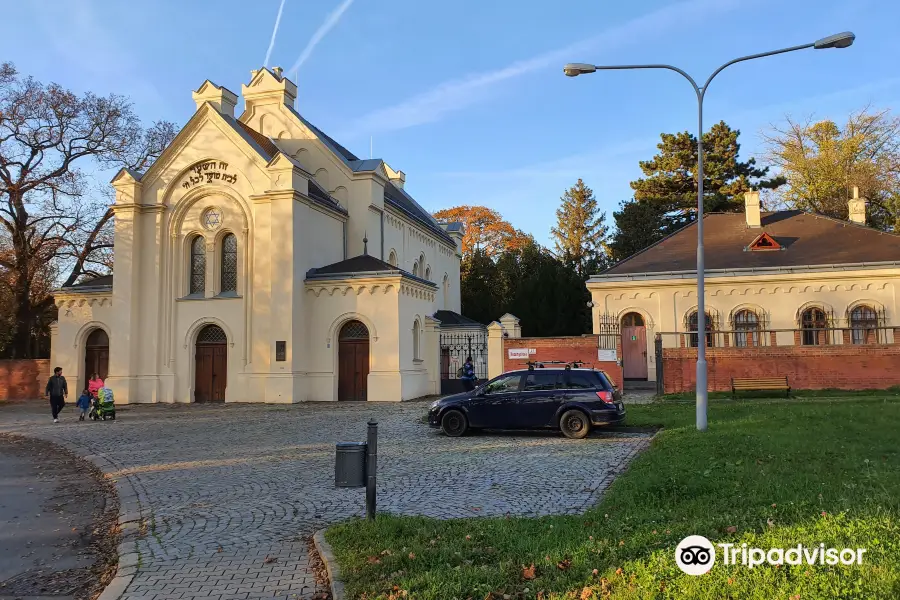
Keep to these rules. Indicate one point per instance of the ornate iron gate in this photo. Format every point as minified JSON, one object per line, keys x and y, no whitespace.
{"x":456,"y":346}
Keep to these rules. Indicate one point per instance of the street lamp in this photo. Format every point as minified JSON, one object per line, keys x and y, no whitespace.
{"x":840,"y":40}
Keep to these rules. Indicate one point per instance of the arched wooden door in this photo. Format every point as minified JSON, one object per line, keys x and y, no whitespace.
{"x":96,"y":357}
{"x":353,"y":361}
{"x":634,"y":347}
{"x":211,"y":365}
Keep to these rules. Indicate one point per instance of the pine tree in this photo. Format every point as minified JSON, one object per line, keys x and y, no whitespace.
{"x":671,"y":175}
{"x":580,"y":234}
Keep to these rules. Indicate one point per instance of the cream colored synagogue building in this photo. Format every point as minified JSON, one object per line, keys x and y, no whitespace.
{"x":258,"y":260}
{"x":785,"y":278}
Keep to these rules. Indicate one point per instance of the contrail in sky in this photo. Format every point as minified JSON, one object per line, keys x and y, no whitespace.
{"x":274,"y":33}
{"x":330,"y":21}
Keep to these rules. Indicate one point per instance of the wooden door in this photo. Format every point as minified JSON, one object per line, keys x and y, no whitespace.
{"x":353,"y":369}
{"x":634,"y":352}
{"x":211,"y":365}
{"x":96,"y":357}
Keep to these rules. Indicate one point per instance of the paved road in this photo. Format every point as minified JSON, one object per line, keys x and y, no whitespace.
{"x":232,"y":493}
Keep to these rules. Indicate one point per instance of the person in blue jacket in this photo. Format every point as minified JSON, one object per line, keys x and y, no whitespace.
{"x":84,"y":404}
{"x":468,"y":374}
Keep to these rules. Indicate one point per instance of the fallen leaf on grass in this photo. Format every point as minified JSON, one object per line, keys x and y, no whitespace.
{"x":412,"y":556}
{"x":373,"y":560}
{"x":586,"y":593}
{"x":564,"y":564}
{"x":731,"y":529}
{"x":595,"y":572}
{"x":528,"y":572}
{"x":385,"y":552}
{"x":770,"y":522}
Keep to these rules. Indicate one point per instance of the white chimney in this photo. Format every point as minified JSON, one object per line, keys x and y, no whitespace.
{"x":857,"y":208}
{"x":752,"y":210}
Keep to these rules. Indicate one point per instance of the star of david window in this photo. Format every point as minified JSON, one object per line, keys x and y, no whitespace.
{"x":212,"y":218}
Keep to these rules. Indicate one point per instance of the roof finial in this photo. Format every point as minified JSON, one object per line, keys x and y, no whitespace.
{"x":365,"y":243}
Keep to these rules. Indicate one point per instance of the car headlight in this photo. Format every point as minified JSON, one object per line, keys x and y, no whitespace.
{"x":434,"y":405}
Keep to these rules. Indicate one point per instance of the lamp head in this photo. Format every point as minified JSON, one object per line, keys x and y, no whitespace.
{"x":838,"y":40}
{"x":576,"y":69}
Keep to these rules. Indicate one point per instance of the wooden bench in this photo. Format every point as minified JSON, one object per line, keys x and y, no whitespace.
{"x":760,"y":384}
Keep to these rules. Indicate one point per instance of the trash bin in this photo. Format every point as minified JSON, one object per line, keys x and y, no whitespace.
{"x":350,"y":464}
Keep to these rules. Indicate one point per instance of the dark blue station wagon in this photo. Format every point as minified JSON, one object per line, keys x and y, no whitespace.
{"x":571,"y":400}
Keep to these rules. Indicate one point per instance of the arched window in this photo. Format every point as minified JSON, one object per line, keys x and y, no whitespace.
{"x":863,"y":323}
{"x":415,"y":269}
{"x":692,"y":326}
{"x":812,"y":324}
{"x":198,"y":265}
{"x":229,"y":263}
{"x":392,"y":258}
{"x":446,"y":288}
{"x":428,"y":272}
{"x":633,"y":319}
{"x":415,"y":339}
{"x":746,"y":328}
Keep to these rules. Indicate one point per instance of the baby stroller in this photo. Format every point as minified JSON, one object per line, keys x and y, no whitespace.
{"x":103,"y":407}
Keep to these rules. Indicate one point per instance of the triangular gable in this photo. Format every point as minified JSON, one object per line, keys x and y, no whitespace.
{"x":205,"y":113}
{"x":764,"y":242}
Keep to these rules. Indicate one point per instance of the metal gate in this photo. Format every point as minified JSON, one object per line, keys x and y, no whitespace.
{"x":456,"y":346}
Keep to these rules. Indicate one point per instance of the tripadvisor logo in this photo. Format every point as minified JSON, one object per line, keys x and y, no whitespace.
{"x":696,"y":555}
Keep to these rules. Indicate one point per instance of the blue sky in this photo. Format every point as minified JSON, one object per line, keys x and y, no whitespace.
{"x":468,"y":97}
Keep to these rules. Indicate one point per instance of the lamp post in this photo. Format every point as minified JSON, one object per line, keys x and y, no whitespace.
{"x":840,"y":40}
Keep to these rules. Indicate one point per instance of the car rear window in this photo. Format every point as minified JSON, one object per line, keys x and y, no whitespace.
{"x":581,"y":381}
{"x":607,"y":380}
{"x":536,"y":381}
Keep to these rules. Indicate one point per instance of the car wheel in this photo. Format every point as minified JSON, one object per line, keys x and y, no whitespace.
{"x":454,"y":423}
{"x":574,"y":424}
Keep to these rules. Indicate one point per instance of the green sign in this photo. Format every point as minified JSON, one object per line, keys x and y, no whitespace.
{"x":634,"y":338}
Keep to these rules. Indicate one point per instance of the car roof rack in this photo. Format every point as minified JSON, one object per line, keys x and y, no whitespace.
{"x":575,"y":364}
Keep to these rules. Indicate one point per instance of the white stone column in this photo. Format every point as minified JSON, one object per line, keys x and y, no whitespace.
{"x":495,"y":349}
{"x":432,"y":353}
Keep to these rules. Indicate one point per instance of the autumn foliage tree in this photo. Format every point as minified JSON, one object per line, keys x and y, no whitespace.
{"x":822,"y":161}
{"x":54,"y":226}
{"x":485,"y":229}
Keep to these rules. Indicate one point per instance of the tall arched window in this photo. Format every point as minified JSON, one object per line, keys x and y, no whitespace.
{"x":392,"y":258}
{"x":746,"y":329}
{"x":415,"y":339}
{"x":863,"y":323}
{"x":692,"y":326}
{"x":812,"y":324}
{"x":446,"y":288}
{"x":415,"y":269}
{"x":428,"y":273}
{"x":198,"y":265}
{"x":229,"y":263}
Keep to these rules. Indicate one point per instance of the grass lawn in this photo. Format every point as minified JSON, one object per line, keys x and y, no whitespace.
{"x":769,"y":473}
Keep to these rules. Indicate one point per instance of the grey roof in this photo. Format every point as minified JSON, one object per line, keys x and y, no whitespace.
{"x":450,"y":318}
{"x":363,"y":265}
{"x":102,"y":283}
{"x":455,"y":226}
{"x":393,"y":195}
{"x":403,"y":202}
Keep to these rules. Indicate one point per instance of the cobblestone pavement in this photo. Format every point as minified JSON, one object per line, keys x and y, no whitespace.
{"x":232,"y":493}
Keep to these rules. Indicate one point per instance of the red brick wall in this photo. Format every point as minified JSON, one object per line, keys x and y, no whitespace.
{"x":24,"y":379}
{"x":807,"y":368}
{"x":582,"y":347}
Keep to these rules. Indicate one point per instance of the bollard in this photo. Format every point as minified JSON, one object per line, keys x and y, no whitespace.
{"x":371,"y":465}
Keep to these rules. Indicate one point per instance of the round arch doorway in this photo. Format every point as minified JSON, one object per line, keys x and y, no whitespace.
{"x":634,"y":347}
{"x":96,"y":356}
{"x":353,"y":361}
{"x":211,"y":365}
